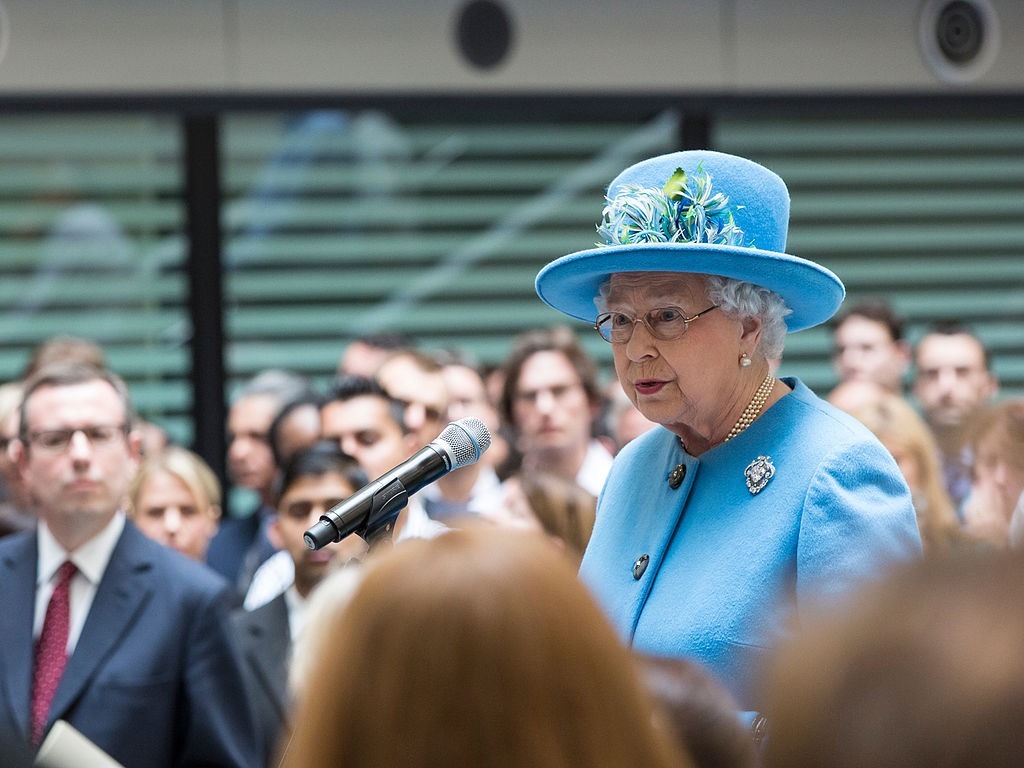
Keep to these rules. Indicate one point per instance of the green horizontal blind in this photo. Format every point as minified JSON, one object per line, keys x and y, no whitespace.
{"x":926,"y":213}
{"x":339,"y":224}
{"x":91,"y":245}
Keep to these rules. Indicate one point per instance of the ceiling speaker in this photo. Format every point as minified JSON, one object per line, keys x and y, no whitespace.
{"x":959,"y":39}
{"x":483,"y":33}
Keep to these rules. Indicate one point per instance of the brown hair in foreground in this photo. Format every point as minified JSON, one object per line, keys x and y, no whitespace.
{"x":924,"y":669}
{"x":477,"y":648}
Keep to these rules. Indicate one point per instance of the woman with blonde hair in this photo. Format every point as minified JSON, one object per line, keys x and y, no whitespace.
{"x":907,"y":437}
{"x":476,"y":648}
{"x":175,"y":499}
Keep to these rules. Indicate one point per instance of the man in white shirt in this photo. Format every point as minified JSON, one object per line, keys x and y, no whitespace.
{"x":313,"y":481}
{"x":551,"y":399}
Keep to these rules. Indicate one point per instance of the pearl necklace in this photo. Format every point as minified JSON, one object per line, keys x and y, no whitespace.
{"x":753,"y":407}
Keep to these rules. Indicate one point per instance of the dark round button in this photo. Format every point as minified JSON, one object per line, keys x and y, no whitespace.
{"x":640,"y":566}
{"x":675,"y":477}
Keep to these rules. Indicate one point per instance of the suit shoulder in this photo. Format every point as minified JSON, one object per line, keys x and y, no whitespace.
{"x":15,"y":545}
{"x":179,"y":569}
{"x":260,"y":619}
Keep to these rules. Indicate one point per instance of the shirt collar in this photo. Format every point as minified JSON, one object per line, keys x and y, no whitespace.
{"x":298,"y":611}
{"x":91,"y":558}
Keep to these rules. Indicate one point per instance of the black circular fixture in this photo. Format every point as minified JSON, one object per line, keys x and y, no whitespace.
{"x":959,"y":39}
{"x":960,"y":31}
{"x":483,"y":31}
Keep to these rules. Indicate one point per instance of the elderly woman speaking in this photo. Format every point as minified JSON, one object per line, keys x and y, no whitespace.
{"x":756,"y":496}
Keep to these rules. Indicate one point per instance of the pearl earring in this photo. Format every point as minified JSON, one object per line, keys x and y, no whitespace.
{"x":745,"y":360}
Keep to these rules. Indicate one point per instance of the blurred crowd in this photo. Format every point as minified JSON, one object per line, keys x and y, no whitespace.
{"x":355,"y":655}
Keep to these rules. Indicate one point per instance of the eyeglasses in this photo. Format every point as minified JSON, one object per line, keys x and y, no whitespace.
{"x":664,"y":323}
{"x":57,"y":440}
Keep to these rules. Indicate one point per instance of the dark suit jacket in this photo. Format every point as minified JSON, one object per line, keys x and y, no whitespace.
{"x":155,"y":678}
{"x":264,"y":639}
{"x":239,"y":546}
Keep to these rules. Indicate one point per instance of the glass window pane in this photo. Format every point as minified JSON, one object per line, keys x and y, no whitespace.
{"x":91,"y":245}
{"x":341,"y":223}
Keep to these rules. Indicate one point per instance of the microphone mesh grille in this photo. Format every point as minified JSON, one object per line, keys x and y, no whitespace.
{"x":467,"y":438}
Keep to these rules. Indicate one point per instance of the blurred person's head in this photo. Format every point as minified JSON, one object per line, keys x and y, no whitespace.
{"x":952,"y":376}
{"x":315,"y":479}
{"x":250,"y":458}
{"x":855,"y":394}
{"x":996,"y":438}
{"x":296,"y":425}
{"x":868,"y":345}
{"x":367,"y":424}
{"x":547,"y":503}
{"x":550,"y":395}
{"x":468,"y":396}
{"x":76,"y":450}
{"x":363,"y":355}
{"x":922,"y":669}
{"x":10,"y":402}
{"x":907,"y":437}
{"x":491,"y":652}
{"x":154,"y":437}
{"x":701,"y":710}
{"x":64,"y":348}
{"x":417,"y":380}
{"x":175,"y":499}
{"x":1017,"y":525}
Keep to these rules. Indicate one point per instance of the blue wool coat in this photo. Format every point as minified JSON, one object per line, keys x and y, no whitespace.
{"x":716,"y":573}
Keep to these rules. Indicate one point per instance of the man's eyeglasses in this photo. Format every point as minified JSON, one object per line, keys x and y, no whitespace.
{"x":664,"y":323}
{"x":57,"y":440}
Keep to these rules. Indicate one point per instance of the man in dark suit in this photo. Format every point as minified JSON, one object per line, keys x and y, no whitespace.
{"x":124,"y":639}
{"x":312,"y":481}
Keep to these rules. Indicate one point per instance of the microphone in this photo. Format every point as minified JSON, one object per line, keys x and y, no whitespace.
{"x":376,"y":505}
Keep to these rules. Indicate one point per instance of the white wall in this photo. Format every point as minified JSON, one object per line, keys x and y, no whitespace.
{"x":732,"y":46}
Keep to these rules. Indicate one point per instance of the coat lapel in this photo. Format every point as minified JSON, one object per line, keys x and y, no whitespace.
{"x":269,"y":648}
{"x":17,"y":607}
{"x":122,"y":591}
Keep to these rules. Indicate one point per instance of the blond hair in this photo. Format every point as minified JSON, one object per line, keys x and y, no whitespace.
{"x":897,"y":425}
{"x":187,"y":467}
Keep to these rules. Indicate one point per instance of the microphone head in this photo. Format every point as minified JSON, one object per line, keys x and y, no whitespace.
{"x":464,"y":441}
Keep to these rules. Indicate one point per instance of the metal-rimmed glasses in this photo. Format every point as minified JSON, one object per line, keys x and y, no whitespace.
{"x":664,"y":323}
{"x":58,"y":440}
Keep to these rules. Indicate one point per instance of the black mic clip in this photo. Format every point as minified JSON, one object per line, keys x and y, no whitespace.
{"x":386,"y":503}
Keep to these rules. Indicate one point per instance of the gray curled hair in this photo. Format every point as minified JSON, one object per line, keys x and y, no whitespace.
{"x":740,"y":300}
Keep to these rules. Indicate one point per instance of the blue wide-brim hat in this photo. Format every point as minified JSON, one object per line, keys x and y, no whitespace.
{"x":701,"y":212}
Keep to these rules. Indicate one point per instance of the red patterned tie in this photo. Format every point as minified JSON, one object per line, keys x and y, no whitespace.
{"x":51,"y":651}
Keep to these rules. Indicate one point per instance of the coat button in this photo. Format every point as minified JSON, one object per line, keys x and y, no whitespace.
{"x":675,"y":477}
{"x":640,"y":566}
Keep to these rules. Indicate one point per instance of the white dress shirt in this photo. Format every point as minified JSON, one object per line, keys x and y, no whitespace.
{"x":91,"y":560}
